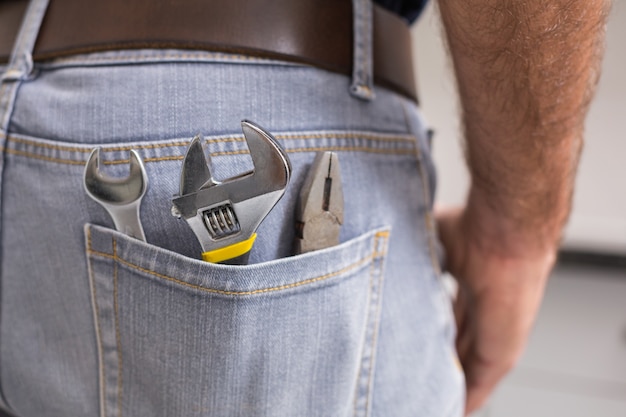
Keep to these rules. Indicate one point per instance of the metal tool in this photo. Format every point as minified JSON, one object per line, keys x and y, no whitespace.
{"x":225,"y":215}
{"x":121,"y":197}
{"x":319,"y":212}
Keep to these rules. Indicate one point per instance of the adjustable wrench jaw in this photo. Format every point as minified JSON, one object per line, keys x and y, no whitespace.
{"x":225,"y":215}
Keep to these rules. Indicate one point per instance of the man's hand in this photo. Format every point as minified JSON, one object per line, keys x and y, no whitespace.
{"x":497,"y":302}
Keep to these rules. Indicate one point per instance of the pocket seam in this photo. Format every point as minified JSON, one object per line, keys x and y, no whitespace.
{"x":98,"y":329}
{"x":363,"y":389}
{"x":118,"y":341}
{"x":374,"y":255}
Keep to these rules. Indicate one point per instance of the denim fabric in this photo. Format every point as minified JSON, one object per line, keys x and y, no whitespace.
{"x":94,"y":323}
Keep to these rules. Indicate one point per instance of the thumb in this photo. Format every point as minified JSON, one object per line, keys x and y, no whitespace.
{"x":449,"y":230}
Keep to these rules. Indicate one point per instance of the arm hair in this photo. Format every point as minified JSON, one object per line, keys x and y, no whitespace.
{"x":526,"y":73}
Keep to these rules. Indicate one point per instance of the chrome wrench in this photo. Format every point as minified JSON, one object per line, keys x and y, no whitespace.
{"x":121,"y":197}
{"x":225,"y":215}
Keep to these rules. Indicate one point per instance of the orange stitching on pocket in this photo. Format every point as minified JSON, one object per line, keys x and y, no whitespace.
{"x":385,"y":237}
{"x":47,"y":145}
{"x":228,"y":139}
{"x":376,"y":254}
{"x":146,"y":160}
{"x":116,"y":148}
{"x":226,"y":153}
{"x":89,"y":246}
{"x":240,"y":152}
{"x":371,"y":282}
{"x":385,"y":234}
{"x":42,"y":157}
{"x":329,"y":135}
{"x":327,"y":148}
{"x":356,"y":135}
{"x":364,"y":136}
{"x":241,"y":293}
{"x":94,"y":297}
{"x":118,"y":340}
{"x":88,"y":149}
{"x":353,"y":148}
{"x":147,"y":146}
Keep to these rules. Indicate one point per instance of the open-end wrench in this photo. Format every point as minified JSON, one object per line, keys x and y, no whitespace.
{"x":121,"y":197}
{"x":225,"y":215}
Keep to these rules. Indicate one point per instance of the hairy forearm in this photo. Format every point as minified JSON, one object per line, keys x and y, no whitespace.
{"x":526,"y":71}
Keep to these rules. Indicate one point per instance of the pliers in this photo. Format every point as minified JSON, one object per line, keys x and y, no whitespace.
{"x":319,"y":210}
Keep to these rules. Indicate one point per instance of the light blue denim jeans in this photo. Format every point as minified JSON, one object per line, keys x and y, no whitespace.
{"x":94,"y":323}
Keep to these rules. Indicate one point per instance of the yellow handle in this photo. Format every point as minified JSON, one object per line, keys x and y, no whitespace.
{"x":229,"y":252}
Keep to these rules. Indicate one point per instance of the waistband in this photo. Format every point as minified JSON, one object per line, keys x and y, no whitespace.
{"x":314,"y":32}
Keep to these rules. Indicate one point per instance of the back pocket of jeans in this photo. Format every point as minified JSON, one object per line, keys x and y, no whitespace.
{"x":290,"y":337}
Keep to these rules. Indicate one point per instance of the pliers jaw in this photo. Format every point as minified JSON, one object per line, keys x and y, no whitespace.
{"x":225,"y":215}
{"x":319,"y":213}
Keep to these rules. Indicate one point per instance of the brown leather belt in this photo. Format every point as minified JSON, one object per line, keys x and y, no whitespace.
{"x":314,"y":32}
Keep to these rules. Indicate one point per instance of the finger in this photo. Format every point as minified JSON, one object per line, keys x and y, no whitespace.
{"x":481,"y":379}
{"x":464,"y":333}
{"x":452,"y":240}
{"x":446,"y":224}
{"x":460,"y":308}
{"x":463,"y":342}
{"x":476,"y":398}
{"x":442,"y":211}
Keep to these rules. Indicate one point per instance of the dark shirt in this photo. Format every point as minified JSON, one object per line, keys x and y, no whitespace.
{"x":409,"y":9}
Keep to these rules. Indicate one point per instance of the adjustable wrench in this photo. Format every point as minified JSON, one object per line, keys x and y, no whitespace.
{"x":121,"y":197}
{"x":225,"y":215}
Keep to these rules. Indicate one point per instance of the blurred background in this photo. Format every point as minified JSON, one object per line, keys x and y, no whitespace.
{"x":575,"y":363}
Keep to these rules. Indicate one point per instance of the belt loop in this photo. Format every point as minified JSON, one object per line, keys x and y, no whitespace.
{"x":362,"y":67}
{"x":21,"y":64}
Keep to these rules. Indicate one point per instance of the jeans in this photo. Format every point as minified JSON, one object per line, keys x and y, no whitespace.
{"x":95,"y":323}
